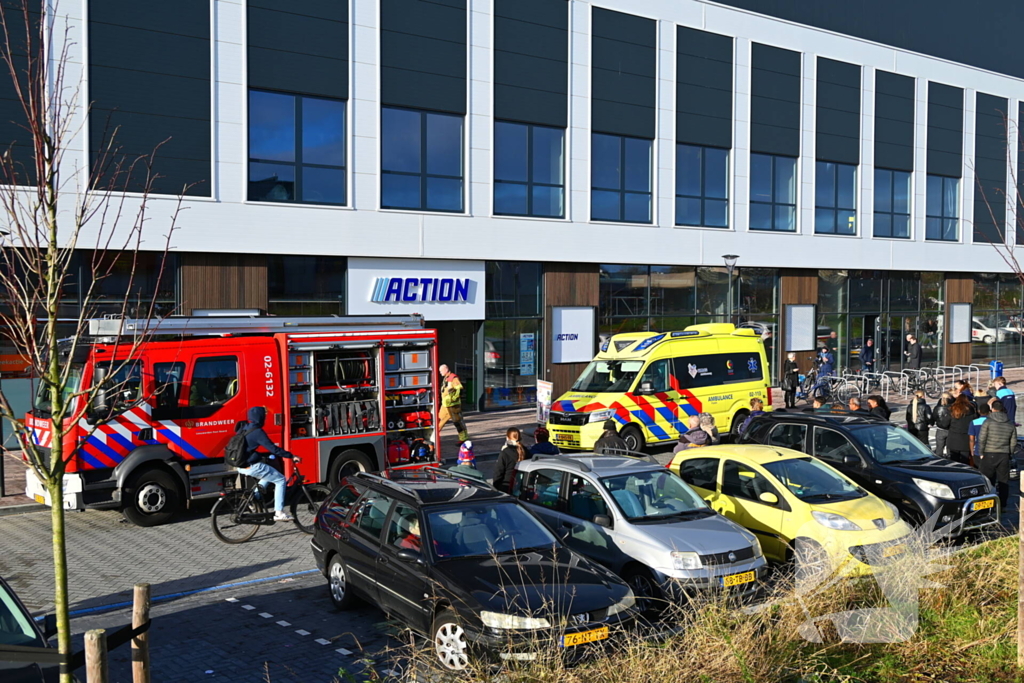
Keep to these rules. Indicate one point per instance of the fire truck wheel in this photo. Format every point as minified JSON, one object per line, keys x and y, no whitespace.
{"x":151,"y":497}
{"x":347,"y":463}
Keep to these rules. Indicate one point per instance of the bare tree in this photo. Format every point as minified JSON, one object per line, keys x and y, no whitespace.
{"x":58,"y":214}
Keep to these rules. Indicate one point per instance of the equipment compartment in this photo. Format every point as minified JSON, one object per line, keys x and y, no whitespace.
{"x":347,"y":399}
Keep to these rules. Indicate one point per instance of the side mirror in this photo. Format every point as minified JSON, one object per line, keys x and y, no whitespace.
{"x":49,"y":626}
{"x":100,"y":404}
{"x":603,"y":520}
{"x":851,"y":460}
{"x":768,"y":498}
{"x":410,"y":556}
{"x":646,"y":388}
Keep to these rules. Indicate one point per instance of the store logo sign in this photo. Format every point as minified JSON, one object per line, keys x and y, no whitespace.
{"x":567,"y":336}
{"x":409,"y":289}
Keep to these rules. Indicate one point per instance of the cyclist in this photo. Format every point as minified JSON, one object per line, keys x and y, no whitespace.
{"x":258,"y":466}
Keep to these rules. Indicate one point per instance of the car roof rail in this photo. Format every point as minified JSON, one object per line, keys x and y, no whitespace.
{"x":564,"y":460}
{"x":384,"y":481}
{"x":440,"y":471}
{"x":626,"y":453}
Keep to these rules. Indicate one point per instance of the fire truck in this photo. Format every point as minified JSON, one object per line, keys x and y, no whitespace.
{"x":345,"y":394}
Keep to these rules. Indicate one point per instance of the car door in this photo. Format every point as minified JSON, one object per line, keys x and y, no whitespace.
{"x":361,"y":539}
{"x":655,"y":387}
{"x":834,"y":448}
{"x":788,"y":435}
{"x":541,"y":491}
{"x":583,"y":502}
{"x":741,"y":487}
{"x":403,"y":583}
{"x":702,"y":475}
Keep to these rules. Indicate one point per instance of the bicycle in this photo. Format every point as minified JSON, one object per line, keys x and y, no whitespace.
{"x":925,"y":379}
{"x":239,"y":513}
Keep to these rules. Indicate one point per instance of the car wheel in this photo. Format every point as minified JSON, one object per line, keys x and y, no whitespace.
{"x":634,"y":439}
{"x":737,"y":421}
{"x":450,"y":645}
{"x":348,"y":463}
{"x":151,"y":498}
{"x":988,"y":339}
{"x":650,"y":600}
{"x":337,"y":581}
{"x":812,"y":563}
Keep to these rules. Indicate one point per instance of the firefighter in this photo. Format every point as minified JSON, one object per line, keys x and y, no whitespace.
{"x":451,"y":404}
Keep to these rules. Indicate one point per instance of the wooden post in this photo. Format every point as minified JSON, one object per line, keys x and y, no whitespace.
{"x":140,"y":643}
{"x":96,"y":670}
{"x":1020,"y":585}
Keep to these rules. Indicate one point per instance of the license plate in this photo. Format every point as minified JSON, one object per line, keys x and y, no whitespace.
{"x":983,"y":504}
{"x":737,"y":579}
{"x":40,"y":499}
{"x":894,"y":550}
{"x":564,"y":437}
{"x":571,"y":639}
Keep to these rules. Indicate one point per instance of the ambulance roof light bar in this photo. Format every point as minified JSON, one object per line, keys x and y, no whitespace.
{"x":118,"y":327}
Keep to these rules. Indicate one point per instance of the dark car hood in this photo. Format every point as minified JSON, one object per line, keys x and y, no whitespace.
{"x":533,"y":582}
{"x":939,"y":469}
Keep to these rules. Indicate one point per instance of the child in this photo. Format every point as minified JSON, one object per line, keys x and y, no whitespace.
{"x":466,"y":456}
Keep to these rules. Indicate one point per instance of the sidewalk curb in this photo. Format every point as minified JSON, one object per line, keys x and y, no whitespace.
{"x":22,"y":509}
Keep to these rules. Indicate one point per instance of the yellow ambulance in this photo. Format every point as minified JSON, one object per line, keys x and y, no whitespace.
{"x":651,"y":382}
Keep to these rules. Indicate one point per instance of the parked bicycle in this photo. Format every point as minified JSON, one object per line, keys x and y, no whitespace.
{"x":239,"y":513}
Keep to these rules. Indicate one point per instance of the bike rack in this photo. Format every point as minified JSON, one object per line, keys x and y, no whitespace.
{"x":949,"y":374}
{"x":967,"y":371}
{"x":978,"y":369}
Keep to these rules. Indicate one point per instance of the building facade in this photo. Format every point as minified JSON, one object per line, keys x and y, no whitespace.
{"x":488,"y":162}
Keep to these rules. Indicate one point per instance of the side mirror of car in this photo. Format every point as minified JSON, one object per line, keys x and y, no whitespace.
{"x":410,"y":556}
{"x":851,"y":460}
{"x":603,"y":520}
{"x":646,"y":388}
{"x":769,"y":498}
{"x":49,"y":626}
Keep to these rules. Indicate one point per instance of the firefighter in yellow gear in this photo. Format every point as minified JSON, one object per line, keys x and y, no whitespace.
{"x":451,"y":404}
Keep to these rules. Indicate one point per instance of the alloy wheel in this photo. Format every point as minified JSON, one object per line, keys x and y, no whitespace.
{"x":151,"y":498}
{"x":450,"y":645}
{"x":339,"y":584}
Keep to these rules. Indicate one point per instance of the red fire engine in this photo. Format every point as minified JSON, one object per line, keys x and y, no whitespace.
{"x":345,"y":394}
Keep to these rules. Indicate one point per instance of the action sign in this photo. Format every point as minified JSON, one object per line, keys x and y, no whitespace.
{"x":572,"y":334}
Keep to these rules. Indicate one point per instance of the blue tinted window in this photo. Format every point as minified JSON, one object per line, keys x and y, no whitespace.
{"x":834,"y":198}
{"x":892,"y":203}
{"x":296,"y":149}
{"x":421,"y":160}
{"x":772,"y":193}
{"x":943,"y":210}
{"x":620,"y":163}
{"x":702,"y":186}
{"x":528,"y":170}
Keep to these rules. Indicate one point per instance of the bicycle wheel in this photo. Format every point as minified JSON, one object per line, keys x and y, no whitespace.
{"x":845,"y":392}
{"x":229,"y":518}
{"x":306,"y":504}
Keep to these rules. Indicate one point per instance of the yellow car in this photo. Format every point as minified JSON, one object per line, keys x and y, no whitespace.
{"x":799,"y":507}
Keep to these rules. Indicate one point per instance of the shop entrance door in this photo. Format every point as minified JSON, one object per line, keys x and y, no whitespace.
{"x":862,"y":328}
{"x":893,"y":337}
{"x":457,"y":343}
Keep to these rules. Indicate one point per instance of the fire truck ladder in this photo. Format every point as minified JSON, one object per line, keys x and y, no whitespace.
{"x":245,"y":325}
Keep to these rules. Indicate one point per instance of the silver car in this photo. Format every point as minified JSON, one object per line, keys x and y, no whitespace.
{"x":643,"y":522}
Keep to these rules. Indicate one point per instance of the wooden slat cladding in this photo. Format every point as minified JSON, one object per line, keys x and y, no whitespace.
{"x":566,"y":284}
{"x":223,"y":281}
{"x":795,"y":287}
{"x":959,"y":290}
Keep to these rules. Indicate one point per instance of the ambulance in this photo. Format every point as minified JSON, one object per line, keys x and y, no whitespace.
{"x":651,"y":382}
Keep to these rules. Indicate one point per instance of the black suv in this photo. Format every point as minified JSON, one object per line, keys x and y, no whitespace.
{"x":887,"y":461}
{"x":463,"y":564}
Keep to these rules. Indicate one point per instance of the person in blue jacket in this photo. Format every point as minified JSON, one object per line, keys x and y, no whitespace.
{"x":543,"y":445}
{"x":828,"y":362}
{"x":1008,"y":398}
{"x":257,"y":463}
{"x":974,"y":431}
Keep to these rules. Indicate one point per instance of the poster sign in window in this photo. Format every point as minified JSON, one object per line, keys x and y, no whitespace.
{"x":960,"y":321}
{"x":544,"y":392}
{"x":527,"y":350}
{"x":801,"y":328}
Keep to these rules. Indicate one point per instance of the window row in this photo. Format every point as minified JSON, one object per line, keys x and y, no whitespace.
{"x":297,"y":154}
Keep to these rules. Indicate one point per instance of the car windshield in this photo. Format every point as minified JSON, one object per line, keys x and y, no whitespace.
{"x":810,"y":480}
{"x":653,"y":495}
{"x":608,"y":375}
{"x":886,"y":443}
{"x":486,"y":529}
{"x":15,"y":627}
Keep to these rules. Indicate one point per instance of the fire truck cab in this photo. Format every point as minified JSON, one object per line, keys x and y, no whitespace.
{"x":345,"y":394}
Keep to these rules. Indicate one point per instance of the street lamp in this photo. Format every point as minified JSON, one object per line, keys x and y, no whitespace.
{"x":730,"y":266}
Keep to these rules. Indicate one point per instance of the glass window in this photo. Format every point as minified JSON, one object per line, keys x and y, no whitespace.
{"x":812,"y":481}
{"x":16,"y":627}
{"x":528,"y":170}
{"x":702,"y":186}
{"x":342,"y":501}
{"x":486,"y":529}
{"x":788,"y":436}
{"x":511,"y":362}
{"x":122,"y":381}
{"x":296,"y":149}
{"x":421,"y":160}
{"x":892,"y":203}
{"x":543,"y":487}
{"x":168,"y":379}
{"x":673,"y":290}
{"x":621,"y":171}
{"x":831,"y":445}
{"x":306,"y":285}
{"x":742,"y":481}
{"x":214,"y":381}
{"x":700,"y":472}
{"x":835,"y":211}
{"x":657,"y":374}
{"x":716,"y":368}
{"x":585,"y":501}
{"x":942,"y":209}
{"x":370,"y":513}
{"x":887,"y":443}
{"x":404,"y":530}
{"x":772,"y":193}
{"x":652,"y":494}
{"x":608,"y":375}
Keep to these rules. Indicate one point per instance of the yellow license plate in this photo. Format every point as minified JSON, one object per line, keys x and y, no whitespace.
{"x":983,"y":504}
{"x":894,"y":550}
{"x":571,"y":639}
{"x":737,"y":579}
{"x":40,"y":499}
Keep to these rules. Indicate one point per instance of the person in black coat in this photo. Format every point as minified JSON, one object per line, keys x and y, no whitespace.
{"x":511,"y":455}
{"x":867,"y":355}
{"x":913,"y":353}
{"x":257,"y":462}
{"x":919,"y":417}
{"x":610,"y":443}
{"x":790,"y":380}
{"x":941,"y":418}
{"x":962,"y":413}
{"x":878,"y":406}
